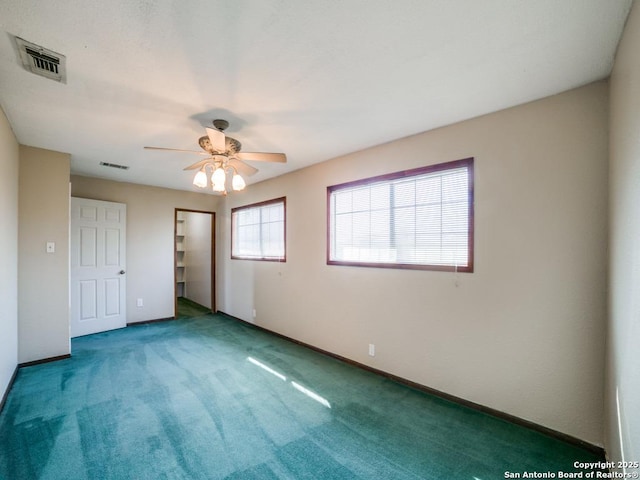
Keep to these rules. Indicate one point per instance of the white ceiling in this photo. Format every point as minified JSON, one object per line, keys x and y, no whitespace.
{"x":312,"y":79}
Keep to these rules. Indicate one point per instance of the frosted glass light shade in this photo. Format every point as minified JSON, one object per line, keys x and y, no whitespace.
{"x":218,"y":177}
{"x":238,"y":183}
{"x":200,"y":180}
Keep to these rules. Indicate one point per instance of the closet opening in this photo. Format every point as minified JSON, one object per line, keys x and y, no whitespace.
{"x":194,"y":262}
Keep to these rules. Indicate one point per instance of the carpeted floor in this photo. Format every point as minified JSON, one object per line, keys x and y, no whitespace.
{"x":189,"y":308}
{"x":211,"y":398}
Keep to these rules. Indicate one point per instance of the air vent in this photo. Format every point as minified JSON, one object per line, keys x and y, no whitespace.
{"x":114,"y":165}
{"x":42,"y":61}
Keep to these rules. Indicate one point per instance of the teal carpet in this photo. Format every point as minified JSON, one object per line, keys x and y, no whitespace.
{"x":189,"y":308}
{"x":211,"y":398}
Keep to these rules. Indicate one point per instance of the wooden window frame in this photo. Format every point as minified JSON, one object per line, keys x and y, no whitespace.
{"x":282,"y":200}
{"x":465,"y":162}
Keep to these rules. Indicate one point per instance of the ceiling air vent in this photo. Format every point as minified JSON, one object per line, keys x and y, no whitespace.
{"x":114,"y":165}
{"x":42,"y":61}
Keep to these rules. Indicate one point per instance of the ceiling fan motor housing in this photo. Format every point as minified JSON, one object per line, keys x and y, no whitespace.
{"x":232,"y":146}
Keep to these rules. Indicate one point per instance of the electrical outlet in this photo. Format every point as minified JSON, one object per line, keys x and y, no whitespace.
{"x":139,"y":303}
{"x":372,"y":350}
{"x":254,"y":313}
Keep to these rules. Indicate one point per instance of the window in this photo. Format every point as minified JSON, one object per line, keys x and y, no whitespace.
{"x":418,"y":219}
{"x":258,"y":231}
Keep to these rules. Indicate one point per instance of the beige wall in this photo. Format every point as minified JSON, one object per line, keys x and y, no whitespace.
{"x":43,"y":278}
{"x":9,"y":155}
{"x":524,"y":334}
{"x":623,"y":382}
{"x":150,"y":239}
{"x":198,"y":257}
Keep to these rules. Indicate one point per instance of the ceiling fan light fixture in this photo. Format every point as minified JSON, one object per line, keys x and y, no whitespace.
{"x":219,"y":187}
{"x":225,"y":160}
{"x":218,"y":177}
{"x":238,"y":183}
{"x":200,"y":180}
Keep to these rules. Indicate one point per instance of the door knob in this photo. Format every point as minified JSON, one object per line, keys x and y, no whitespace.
{"x":121,"y":272}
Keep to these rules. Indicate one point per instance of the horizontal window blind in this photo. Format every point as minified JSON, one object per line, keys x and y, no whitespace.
{"x":258,"y":231}
{"x":418,"y":218}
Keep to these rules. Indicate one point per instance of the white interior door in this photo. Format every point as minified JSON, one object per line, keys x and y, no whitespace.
{"x":98,"y":266}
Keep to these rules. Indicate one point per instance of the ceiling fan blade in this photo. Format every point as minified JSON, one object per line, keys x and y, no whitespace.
{"x":176,"y":150}
{"x":199,"y":164}
{"x":217,"y":139}
{"x":241,"y":167}
{"x":262,"y":157}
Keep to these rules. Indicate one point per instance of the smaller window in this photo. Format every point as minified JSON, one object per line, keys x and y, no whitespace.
{"x":258,"y":231}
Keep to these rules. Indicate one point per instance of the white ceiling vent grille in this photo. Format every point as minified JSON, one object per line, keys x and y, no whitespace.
{"x":42,"y":61}
{"x":114,"y":165}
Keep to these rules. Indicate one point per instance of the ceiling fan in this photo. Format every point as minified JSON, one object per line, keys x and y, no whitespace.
{"x":225,"y":158}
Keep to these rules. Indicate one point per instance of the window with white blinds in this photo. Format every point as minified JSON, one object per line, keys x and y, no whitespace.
{"x":420,"y":219}
{"x":258,"y":231}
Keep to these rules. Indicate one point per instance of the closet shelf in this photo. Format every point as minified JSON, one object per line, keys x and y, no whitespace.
{"x":181,"y":271}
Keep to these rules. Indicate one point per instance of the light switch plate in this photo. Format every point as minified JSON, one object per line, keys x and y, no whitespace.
{"x":51,"y":247}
